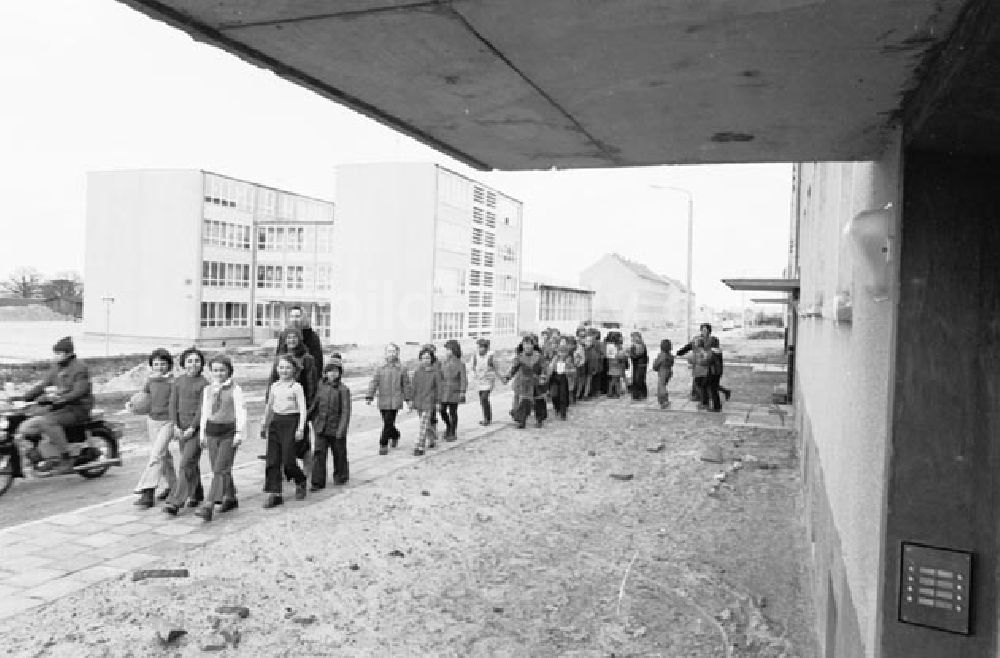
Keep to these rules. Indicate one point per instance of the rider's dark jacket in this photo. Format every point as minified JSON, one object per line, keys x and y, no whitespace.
{"x":74,"y":398}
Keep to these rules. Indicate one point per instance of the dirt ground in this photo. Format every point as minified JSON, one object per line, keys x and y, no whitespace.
{"x":591,"y":537}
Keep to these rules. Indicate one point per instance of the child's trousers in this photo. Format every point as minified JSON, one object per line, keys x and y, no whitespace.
{"x":219,"y":437}
{"x":559,"y":389}
{"x":428,"y":436}
{"x":328,"y":443}
{"x":281,"y":453}
{"x":389,"y":429}
{"x":527,"y":405}
{"x":484,"y":402}
{"x":161,"y":462}
{"x":188,"y":473}
{"x":661,"y":390}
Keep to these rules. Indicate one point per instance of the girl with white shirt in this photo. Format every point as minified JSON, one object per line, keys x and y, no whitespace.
{"x":223,"y":423}
{"x":284,"y":423}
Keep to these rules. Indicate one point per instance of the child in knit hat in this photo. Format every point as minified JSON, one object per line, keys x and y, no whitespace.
{"x":331,"y":415}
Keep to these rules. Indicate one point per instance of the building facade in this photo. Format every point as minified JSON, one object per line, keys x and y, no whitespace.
{"x":546,"y":305}
{"x":632,"y":295}
{"x":188,"y":256}
{"x":425,"y":254}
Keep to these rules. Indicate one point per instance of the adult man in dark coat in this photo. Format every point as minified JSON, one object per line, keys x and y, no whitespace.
{"x":67,"y":388}
{"x":297,"y":319}
{"x":714,"y":370}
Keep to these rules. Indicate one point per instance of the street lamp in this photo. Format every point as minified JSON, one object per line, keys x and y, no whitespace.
{"x":690,"y":249}
{"x":108,"y":301}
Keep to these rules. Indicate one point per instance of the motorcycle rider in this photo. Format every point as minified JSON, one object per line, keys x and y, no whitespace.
{"x":70,"y":404}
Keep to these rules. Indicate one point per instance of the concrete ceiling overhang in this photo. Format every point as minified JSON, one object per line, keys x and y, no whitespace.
{"x":532,"y":84}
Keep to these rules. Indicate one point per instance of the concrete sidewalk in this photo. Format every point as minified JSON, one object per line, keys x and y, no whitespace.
{"x":46,"y":559}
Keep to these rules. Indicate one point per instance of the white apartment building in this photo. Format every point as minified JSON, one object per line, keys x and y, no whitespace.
{"x":189,"y":256}
{"x":423,"y":254}
{"x":634,"y":296}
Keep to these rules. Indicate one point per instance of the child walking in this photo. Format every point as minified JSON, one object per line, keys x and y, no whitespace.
{"x":160,"y":430}
{"x":484,"y":376}
{"x":455,"y":382}
{"x":701,"y":358}
{"x":185,"y":414}
{"x":558,"y":372}
{"x":640,"y":361}
{"x":617,"y":364}
{"x":331,"y":416}
{"x":291,"y":342}
{"x":529,"y":366}
{"x":284,"y":425}
{"x":223,"y":423}
{"x":391,"y":384}
{"x":580,"y":361}
{"x":664,"y":367}
{"x":425,"y":396}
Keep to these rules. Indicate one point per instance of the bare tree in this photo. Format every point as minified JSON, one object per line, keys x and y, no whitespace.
{"x":25,"y":282}
{"x":64,"y":285}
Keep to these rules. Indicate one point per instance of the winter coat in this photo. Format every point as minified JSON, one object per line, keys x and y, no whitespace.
{"x":332,"y":412}
{"x":663,"y":364}
{"x":701,"y":360}
{"x":639,"y":355}
{"x":426,"y":387}
{"x":392,"y":385}
{"x":531,"y":371}
{"x":312,"y":344}
{"x":74,"y":398}
{"x":455,"y":380}
{"x":595,"y":358}
{"x":484,"y":371}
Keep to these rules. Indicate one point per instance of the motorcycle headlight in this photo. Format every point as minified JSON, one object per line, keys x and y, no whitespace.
{"x":4,"y":422}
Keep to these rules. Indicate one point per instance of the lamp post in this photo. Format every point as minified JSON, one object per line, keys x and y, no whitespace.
{"x":108,"y":301}
{"x":690,"y":249}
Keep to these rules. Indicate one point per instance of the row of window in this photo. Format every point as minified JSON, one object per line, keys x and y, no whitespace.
{"x":480,"y":258}
{"x":293,"y":277}
{"x":294,"y":238}
{"x":564,"y":305}
{"x":477,"y":298}
{"x":224,"y":314}
{"x":480,"y":217}
{"x":225,"y":275}
{"x":484,"y":238}
{"x":225,"y":234}
{"x":479,"y":195}
{"x":453,"y":281}
{"x":229,"y":193}
{"x":448,"y":325}
{"x":275,"y":316}
{"x":480,"y":278}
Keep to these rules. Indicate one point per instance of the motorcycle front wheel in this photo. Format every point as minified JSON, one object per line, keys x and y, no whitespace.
{"x":103,"y":442}
{"x":6,"y":474}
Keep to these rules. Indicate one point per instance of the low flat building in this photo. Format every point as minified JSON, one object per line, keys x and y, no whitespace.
{"x":548,"y":304}
{"x":632,"y":296}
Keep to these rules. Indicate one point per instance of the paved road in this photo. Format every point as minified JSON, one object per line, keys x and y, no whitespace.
{"x":36,"y":498}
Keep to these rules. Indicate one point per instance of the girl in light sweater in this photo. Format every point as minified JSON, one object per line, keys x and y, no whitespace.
{"x":284,"y":424}
{"x":222,"y":426}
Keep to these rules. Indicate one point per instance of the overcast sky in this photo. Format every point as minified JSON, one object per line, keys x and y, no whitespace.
{"x":94,"y":85}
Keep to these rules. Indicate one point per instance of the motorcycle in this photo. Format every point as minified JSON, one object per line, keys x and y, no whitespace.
{"x":93,"y":445}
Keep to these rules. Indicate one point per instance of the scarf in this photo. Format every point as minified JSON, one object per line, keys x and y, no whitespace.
{"x":217,"y":394}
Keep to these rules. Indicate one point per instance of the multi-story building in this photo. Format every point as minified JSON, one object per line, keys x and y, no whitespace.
{"x":192,"y":256}
{"x":423,"y":254}
{"x":633,"y":296}
{"x":545,"y":303}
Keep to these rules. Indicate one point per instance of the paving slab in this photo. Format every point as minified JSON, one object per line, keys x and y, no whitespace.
{"x":130,"y":561}
{"x":17,"y":563}
{"x":101,"y":572}
{"x":55,"y":589}
{"x":15,"y":605}
{"x":130,"y":529}
{"x":100,"y":539}
{"x":32,"y":577}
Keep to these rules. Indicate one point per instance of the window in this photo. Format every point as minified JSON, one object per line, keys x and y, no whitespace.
{"x":491,"y":240}
{"x":477,"y":215}
{"x":324,"y":239}
{"x":487,"y":279}
{"x":486,"y":320}
{"x":473,"y":298}
{"x":473,"y":321}
{"x":491,"y":220}
{"x":475,"y":278}
{"x":507,"y":253}
{"x":508,"y":287}
{"x":487,"y":299}
{"x":323,"y":275}
{"x":488,"y":259}
{"x":477,"y":235}
{"x":491,"y":199}
{"x":224,"y":314}
{"x":478,"y":194}
{"x":448,"y":325}
{"x":505,"y":324}
{"x":477,"y":257}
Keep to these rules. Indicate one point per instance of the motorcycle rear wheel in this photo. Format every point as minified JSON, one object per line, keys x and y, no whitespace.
{"x":103,"y":441}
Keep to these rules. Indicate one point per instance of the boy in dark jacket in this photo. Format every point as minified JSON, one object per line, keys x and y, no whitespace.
{"x":331,"y":416}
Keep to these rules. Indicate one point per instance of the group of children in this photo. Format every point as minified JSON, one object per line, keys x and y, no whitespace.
{"x":305,"y":416}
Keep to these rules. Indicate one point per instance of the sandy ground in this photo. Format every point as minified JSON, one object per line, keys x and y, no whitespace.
{"x":591,"y":537}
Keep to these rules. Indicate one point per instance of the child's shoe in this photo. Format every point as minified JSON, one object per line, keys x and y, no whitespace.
{"x":145,"y":499}
{"x":383,"y":450}
{"x":300,"y":491}
{"x":273,"y":500}
{"x":418,"y":452}
{"x":394,"y":441}
{"x":204,"y":513}
{"x":228,"y":505}
{"x":170,"y":509}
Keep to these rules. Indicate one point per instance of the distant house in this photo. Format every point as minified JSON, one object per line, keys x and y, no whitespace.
{"x":71,"y":306}
{"x":546,"y":303}
{"x":632,"y":295}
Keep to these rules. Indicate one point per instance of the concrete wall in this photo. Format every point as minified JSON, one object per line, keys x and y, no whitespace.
{"x":841,"y":397}
{"x":945,"y":444}
{"x":143,"y":247}
{"x":384,"y":257}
